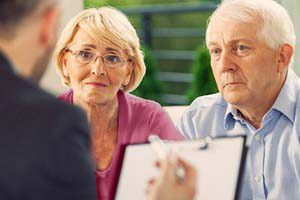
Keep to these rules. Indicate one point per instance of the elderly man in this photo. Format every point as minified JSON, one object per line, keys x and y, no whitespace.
{"x":251,"y":46}
{"x":44,"y":145}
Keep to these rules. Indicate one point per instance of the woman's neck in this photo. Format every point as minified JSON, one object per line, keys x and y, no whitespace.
{"x":102,"y":118}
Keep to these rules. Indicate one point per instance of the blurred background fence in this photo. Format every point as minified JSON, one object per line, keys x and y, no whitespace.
{"x":166,"y":43}
{"x":172,"y":36}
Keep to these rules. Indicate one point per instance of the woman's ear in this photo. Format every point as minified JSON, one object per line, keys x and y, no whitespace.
{"x":129,"y":71}
{"x":64,"y":66}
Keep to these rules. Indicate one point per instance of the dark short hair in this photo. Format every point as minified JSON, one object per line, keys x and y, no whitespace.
{"x":12,"y":12}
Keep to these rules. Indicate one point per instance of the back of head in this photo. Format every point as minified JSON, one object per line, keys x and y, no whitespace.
{"x":27,"y":34}
{"x":14,"y":12}
{"x":275,"y":25}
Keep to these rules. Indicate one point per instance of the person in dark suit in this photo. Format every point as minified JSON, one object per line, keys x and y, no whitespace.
{"x":44,"y":143}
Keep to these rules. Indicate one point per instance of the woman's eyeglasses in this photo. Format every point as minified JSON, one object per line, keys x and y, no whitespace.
{"x":88,"y":57}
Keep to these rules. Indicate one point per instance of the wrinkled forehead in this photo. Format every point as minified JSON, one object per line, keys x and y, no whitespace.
{"x":222,"y":30}
{"x":230,"y":20}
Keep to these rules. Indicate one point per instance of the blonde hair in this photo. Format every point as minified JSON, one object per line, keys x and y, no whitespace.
{"x":108,"y":25}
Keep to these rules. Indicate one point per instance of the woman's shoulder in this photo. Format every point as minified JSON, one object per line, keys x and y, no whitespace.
{"x":140,"y":103}
{"x":66,"y":97}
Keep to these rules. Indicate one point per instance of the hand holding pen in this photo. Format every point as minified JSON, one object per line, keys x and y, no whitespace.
{"x":169,"y":185}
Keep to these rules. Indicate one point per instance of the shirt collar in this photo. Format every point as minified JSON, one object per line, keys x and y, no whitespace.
{"x":231,"y":115}
{"x":287,"y":98}
{"x":285,"y":102}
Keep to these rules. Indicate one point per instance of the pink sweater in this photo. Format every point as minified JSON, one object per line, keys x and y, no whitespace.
{"x":137,"y":119}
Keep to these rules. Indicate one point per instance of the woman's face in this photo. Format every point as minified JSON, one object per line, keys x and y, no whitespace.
{"x":96,"y":70}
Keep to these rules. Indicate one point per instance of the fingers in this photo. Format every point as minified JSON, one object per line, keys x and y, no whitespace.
{"x":190,"y":177}
{"x":157,"y":163}
{"x":168,"y":169}
{"x":189,"y":169}
{"x":151,"y":181}
{"x":150,"y":186}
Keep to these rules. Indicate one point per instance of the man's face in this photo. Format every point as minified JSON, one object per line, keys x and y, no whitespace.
{"x":245,"y":68}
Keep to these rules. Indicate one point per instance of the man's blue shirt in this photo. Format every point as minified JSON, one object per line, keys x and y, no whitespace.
{"x":273,"y":160}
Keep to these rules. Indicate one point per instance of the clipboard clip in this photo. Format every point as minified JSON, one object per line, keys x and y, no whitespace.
{"x":204,"y":143}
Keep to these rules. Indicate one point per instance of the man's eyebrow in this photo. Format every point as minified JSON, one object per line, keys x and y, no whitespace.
{"x":234,"y":41}
{"x":212,"y":44}
{"x":247,"y":40}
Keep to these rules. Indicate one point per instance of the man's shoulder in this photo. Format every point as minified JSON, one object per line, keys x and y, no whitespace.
{"x":208,"y":103}
{"x":205,"y":116}
{"x":39,"y":99}
{"x":28,"y":103}
{"x":205,"y":108}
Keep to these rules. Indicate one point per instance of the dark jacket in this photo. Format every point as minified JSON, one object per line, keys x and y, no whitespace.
{"x":44,"y":144}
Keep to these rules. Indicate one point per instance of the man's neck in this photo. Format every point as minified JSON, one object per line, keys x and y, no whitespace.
{"x":254,"y":118}
{"x":15,"y":52}
{"x":255,"y":111}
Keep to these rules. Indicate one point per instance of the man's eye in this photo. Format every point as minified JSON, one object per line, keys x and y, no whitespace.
{"x":215,"y":51}
{"x":242,"y":47}
{"x":86,"y":54}
{"x":112,"y":59}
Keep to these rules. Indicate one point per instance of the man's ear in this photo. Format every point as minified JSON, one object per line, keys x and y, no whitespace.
{"x":49,"y":25}
{"x":285,"y":57}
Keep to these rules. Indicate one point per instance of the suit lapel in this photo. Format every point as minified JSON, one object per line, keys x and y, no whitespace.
{"x":5,"y":64}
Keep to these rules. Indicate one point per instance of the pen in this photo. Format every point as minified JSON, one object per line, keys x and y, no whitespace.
{"x":162,"y":152}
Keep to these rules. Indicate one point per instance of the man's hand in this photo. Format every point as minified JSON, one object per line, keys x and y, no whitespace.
{"x":167,"y":186}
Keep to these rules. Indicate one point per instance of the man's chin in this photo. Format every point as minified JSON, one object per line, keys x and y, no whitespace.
{"x":234,"y":98}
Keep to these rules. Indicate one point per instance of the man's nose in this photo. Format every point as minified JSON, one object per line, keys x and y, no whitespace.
{"x":227,"y":61}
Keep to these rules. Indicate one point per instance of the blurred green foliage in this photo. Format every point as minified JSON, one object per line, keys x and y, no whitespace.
{"x":203,"y":81}
{"x":150,"y":87}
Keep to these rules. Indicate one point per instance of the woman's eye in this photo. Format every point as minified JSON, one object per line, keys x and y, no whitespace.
{"x":86,"y":54}
{"x":112,"y":58}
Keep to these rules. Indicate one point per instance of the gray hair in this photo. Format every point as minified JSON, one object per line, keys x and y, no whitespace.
{"x":275,"y":25}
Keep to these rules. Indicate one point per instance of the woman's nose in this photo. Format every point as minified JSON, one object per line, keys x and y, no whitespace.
{"x":97,"y":68}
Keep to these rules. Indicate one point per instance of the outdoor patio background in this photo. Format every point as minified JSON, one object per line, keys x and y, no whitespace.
{"x":51,"y":81}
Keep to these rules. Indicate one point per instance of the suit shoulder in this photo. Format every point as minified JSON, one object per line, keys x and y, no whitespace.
{"x":26,"y":99}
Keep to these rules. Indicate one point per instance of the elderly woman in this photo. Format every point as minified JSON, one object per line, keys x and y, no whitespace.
{"x":99,"y":57}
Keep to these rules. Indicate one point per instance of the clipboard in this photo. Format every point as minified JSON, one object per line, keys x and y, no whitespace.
{"x":219,"y":165}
